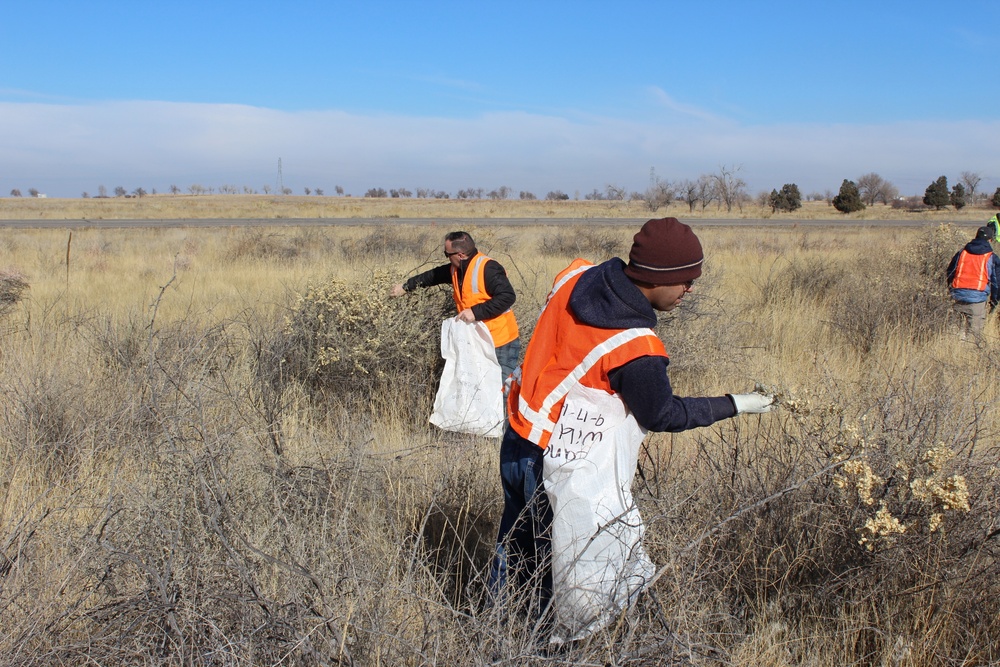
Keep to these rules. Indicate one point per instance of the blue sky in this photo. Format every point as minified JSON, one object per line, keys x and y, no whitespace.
{"x":536,"y":96}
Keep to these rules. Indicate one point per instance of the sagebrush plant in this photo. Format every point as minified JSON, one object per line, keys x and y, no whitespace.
{"x":354,"y":339}
{"x":229,"y":463}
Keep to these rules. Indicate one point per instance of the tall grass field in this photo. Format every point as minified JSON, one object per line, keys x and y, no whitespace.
{"x":290,"y":207}
{"x":215,"y":451}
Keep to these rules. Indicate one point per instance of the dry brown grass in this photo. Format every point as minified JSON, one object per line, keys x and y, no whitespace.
{"x":185,"y":481}
{"x":269,"y":207}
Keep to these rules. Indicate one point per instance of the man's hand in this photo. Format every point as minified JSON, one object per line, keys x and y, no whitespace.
{"x":466,"y":316}
{"x":397,"y":290}
{"x":755,"y":403}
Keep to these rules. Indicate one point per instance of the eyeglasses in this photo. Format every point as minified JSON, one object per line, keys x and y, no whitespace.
{"x":449,"y":254}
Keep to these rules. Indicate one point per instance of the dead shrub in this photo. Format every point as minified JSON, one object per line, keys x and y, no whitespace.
{"x":934,"y":249}
{"x":596,"y":245}
{"x":909,"y":301}
{"x":12,"y":287}
{"x":809,"y":280}
{"x":260,"y":244}
{"x":887,"y":498}
{"x":386,"y":242}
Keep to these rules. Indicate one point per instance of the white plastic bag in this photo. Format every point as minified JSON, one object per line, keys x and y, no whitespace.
{"x":599,"y":565}
{"x":470,"y":396}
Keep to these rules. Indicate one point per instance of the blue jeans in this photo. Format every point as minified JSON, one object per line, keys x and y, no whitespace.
{"x":507,"y":356}
{"x":522,"y":568}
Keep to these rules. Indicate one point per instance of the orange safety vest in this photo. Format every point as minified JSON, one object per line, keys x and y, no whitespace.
{"x":564,"y":351}
{"x":472,"y":292}
{"x":971,"y":271}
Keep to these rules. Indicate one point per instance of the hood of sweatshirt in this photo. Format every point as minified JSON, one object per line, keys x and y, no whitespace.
{"x":979,"y":246}
{"x":604,"y":297}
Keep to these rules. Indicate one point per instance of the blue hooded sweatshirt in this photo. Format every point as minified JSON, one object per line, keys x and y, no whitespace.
{"x":978,"y":246}
{"x":604,"y":297}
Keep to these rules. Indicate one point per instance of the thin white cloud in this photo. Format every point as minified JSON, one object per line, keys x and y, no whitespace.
{"x":684,"y":110}
{"x":67,"y":149}
{"x":446,"y":82}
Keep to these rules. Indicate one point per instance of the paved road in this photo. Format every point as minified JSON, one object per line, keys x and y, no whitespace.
{"x":449,"y":222}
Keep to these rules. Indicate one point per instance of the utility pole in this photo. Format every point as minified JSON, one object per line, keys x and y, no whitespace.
{"x":281,"y":180}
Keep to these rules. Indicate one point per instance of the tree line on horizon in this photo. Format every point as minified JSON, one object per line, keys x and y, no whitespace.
{"x":725,"y":188}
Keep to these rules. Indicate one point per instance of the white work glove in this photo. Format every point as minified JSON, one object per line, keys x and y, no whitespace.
{"x":755,"y":403}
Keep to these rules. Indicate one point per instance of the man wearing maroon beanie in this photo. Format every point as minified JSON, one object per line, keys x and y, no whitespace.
{"x":594,"y":341}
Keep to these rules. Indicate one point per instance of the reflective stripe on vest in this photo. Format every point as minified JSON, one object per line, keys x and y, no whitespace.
{"x":553,"y":366}
{"x":971,"y":271}
{"x":540,"y":420}
{"x":472,"y":292}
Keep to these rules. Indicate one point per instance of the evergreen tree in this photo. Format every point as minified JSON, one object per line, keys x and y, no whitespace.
{"x":849,"y":198}
{"x":958,"y":196}
{"x":937,"y":194}
{"x":788,"y":199}
{"x":996,"y":199}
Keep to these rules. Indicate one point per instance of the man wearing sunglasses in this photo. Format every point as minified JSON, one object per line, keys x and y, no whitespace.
{"x":481,"y":291}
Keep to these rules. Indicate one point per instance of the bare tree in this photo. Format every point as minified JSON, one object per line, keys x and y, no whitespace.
{"x":688,"y":192}
{"x":266,"y":189}
{"x":524,"y":195}
{"x":120,"y":191}
{"x":616,"y":192}
{"x":503,"y":192}
{"x":174,"y":190}
{"x":659,"y":193}
{"x":102,"y":191}
{"x":707,"y":191}
{"x":874,"y":189}
{"x":339,"y":190}
{"x":15,"y":193}
{"x":730,"y":189}
{"x":307,"y":191}
{"x":319,"y":192}
{"x":971,"y":180}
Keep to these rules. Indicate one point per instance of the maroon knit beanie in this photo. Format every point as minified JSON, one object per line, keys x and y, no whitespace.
{"x":664,"y":252}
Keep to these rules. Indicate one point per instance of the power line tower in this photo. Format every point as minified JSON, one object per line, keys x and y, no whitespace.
{"x":280,"y":185}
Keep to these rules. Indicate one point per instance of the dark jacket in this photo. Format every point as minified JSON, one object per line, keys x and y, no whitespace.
{"x":978,"y":246}
{"x":497,"y":286}
{"x":604,"y":297}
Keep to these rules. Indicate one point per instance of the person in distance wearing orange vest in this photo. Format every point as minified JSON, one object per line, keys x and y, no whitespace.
{"x":595,"y":330}
{"x":481,"y":291}
{"x":974,"y":281}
